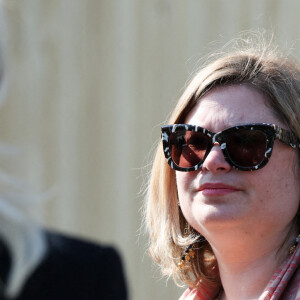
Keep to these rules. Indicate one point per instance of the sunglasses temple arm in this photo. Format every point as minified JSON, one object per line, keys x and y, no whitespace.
{"x":287,"y":137}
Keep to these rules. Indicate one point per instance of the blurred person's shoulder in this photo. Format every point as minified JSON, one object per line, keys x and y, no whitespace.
{"x":75,"y":268}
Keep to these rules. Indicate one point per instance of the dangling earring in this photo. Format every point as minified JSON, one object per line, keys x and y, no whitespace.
{"x":188,"y":253}
{"x":293,"y":248}
{"x":187,"y":229}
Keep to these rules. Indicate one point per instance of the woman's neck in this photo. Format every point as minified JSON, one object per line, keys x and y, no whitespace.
{"x":246,"y":268}
{"x":247,"y":280}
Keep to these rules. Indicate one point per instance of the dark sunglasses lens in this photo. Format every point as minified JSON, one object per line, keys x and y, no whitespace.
{"x":246,"y":148}
{"x":188,"y":148}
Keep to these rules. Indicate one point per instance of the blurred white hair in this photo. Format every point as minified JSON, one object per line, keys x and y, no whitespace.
{"x":24,"y":239}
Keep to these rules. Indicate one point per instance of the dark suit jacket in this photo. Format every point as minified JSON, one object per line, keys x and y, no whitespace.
{"x":76,"y":270}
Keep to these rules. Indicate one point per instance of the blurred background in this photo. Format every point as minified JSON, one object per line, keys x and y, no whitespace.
{"x":89,"y":84}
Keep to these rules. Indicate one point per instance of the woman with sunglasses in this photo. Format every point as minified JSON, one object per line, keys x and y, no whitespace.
{"x":223,"y":198}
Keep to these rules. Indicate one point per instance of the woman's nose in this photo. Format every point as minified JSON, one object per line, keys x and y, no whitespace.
{"x":215,"y":161}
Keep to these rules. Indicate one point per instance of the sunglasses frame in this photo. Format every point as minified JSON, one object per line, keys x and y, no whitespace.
{"x":271,"y":131}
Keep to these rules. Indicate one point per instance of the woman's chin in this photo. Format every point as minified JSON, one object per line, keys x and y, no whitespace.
{"x":217,"y":217}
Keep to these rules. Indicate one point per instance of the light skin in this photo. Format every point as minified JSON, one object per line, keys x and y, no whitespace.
{"x":245,"y":216}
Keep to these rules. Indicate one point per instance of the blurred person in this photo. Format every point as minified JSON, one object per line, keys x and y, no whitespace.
{"x":223,"y":198}
{"x":39,"y":264}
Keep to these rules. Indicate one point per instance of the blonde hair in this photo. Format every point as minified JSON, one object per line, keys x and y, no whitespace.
{"x":260,"y":66}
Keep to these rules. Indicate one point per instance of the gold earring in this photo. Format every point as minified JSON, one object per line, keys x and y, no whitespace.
{"x":188,"y":253}
{"x":187,"y":229}
{"x":293,"y":248}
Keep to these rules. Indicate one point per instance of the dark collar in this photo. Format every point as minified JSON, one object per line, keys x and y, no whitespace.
{"x":5,"y":262}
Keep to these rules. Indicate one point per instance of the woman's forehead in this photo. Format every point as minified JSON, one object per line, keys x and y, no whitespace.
{"x":227,"y":106}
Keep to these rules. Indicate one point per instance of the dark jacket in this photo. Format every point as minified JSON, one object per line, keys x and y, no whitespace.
{"x":73,"y":269}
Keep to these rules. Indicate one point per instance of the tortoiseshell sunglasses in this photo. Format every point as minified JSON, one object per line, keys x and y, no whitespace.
{"x":245,"y":147}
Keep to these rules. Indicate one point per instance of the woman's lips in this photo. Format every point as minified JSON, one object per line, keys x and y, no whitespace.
{"x":217,"y":189}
